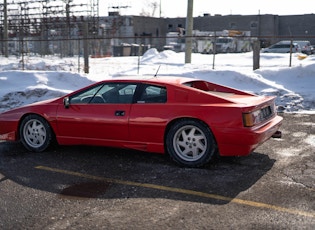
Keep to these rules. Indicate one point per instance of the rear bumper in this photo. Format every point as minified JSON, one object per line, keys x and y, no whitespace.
{"x":241,"y":142}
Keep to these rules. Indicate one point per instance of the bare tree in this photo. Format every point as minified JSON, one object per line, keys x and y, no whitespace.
{"x":149,"y":8}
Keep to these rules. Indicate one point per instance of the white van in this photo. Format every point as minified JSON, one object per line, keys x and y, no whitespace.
{"x":283,"y":47}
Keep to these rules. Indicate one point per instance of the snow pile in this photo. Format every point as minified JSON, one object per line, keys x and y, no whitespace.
{"x":18,"y":88}
{"x":50,"y":77}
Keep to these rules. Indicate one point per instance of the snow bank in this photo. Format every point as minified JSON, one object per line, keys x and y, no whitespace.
{"x":46,"y":78}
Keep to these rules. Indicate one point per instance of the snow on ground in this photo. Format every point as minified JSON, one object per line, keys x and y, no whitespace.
{"x":49,"y":77}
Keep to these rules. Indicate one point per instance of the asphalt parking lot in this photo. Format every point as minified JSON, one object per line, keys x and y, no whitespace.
{"x":103,"y":188}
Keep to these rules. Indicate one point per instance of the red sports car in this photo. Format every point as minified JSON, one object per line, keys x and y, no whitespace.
{"x":190,"y":119}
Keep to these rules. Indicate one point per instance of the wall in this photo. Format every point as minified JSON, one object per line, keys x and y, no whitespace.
{"x":268,"y":27}
{"x":301,"y":26}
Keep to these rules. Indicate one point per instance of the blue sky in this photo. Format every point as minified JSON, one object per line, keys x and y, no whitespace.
{"x":178,"y":8}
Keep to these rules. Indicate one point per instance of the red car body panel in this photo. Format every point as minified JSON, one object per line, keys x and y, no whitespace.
{"x":143,"y":126}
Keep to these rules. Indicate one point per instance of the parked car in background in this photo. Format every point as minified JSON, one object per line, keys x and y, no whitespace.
{"x":306,"y":47}
{"x":283,"y":47}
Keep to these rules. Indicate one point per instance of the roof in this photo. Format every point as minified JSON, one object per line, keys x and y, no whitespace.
{"x":177,"y":80}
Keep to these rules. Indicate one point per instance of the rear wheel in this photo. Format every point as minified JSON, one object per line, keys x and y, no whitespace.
{"x":35,"y":133}
{"x":190,"y":143}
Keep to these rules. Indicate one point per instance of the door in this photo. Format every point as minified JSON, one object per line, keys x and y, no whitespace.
{"x":96,"y":114}
{"x":149,"y":115}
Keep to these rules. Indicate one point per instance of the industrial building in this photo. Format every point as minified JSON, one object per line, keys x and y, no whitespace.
{"x":61,"y":27}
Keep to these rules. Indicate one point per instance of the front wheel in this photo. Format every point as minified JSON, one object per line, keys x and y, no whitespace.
{"x":35,"y":133}
{"x":190,"y":143}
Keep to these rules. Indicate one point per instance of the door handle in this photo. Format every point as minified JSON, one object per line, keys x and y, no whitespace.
{"x":120,"y":113}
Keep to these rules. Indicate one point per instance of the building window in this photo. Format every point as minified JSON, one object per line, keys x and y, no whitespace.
{"x":254,"y":25}
{"x":233,"y":25}
{"x":130,"y":23}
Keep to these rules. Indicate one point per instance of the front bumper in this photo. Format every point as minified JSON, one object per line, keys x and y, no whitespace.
{"x":11,"y":136}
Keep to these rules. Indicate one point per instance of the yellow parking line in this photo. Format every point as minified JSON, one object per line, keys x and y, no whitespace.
{"x":183,"y":191}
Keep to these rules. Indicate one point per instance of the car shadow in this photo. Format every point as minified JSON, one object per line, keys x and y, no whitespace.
{"x":82,"y":172}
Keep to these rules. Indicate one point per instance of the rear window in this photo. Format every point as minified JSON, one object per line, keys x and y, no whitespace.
{"x":204,"y":86}
{"x":211,"y":88}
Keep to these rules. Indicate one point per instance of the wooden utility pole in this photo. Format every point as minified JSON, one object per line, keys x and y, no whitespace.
{"x":256,"y":55}
{"x":189,"y":28}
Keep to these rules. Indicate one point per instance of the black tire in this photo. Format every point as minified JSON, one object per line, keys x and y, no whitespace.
{"x":35,"y":133}
{"x":190,"y":143}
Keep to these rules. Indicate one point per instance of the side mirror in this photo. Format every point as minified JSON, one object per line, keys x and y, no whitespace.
{"x":66,"y":102}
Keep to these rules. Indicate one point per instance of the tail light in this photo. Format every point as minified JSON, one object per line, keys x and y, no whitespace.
{"x":257,"y":116}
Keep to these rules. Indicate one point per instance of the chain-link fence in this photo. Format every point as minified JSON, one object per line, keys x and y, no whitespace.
{"x":97,"y":47}
{"x":64,"y":28}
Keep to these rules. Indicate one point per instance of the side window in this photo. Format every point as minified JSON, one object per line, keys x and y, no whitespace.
{"x":126,"y":93}
{"x":118,"y":93}
{"x":106,"y":93}
{"x":86,"y":96}
{"x":153,"y":94}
